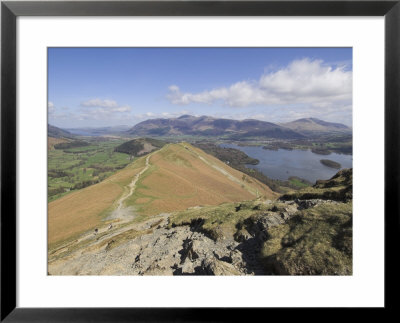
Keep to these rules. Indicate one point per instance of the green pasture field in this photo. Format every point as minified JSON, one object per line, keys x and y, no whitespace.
{"x":75,"y":168}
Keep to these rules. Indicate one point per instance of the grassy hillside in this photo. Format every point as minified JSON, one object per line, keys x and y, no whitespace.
{"x":316,"y":241}
{"x":338,"y":188}
{"x":238,"y":160}
{"x":302,"y":237}
{"x":255,"y":236}
{"x":174,"y":178}
{"x":85,"y":209}
{"x":182,"y":176}
{"x":225,"y":220}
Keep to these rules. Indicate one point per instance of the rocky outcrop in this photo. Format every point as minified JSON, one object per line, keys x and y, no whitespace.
{"x":154,"y":247}
{"x":179,"y":251}
{"x":295,"y":237}
{"x":317,"y":240}
{"x":338,"y":188}
{"x":176,"y":251}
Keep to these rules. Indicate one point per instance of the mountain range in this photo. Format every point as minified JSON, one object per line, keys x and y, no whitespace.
{"x":99,"y":131}
{"x":234,"y":129}
{"x":188,"y":125}
{"x":307,"y":125}
{"x":56,"y":132}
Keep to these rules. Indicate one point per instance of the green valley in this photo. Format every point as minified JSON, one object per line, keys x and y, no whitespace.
{"x":71,"y":168}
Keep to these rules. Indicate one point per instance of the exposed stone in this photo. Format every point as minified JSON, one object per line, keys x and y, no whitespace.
{"x":219,"y":268}
{"x":184,"y":249}
{"x":242,"y":235}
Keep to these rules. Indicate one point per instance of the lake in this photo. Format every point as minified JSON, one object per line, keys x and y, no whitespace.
{"x":281,"y":164}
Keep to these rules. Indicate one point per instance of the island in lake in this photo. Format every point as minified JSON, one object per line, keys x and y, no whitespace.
{"x":330,"y":163}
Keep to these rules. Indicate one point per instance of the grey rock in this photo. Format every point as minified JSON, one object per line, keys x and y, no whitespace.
{"x":219,"y":268}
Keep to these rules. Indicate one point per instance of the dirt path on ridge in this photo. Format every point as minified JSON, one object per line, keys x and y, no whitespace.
{"x":126,"y":213}
{"x":121,"y":214}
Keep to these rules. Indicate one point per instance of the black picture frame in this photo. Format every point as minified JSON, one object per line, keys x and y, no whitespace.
{"x":10,"y":10}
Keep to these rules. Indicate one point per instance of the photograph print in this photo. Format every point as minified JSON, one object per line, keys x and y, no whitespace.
{"x":199,"y":161}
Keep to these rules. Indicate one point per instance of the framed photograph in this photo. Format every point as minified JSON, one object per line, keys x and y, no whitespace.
{"x":157,"y":149}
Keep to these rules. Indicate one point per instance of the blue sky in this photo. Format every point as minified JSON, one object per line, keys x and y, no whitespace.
{"x":123,"y":86}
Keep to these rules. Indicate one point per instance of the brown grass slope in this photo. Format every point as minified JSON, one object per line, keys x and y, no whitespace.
{"x":179,"y":176}
{"x":83,"y":210}
{"x":182,"y":176}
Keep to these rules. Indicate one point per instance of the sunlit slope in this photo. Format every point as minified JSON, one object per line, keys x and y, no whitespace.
{"x":174,"y":178}
{"x":182,"y":176}
{"x":51,"y":141}
{"x":82,"y":210}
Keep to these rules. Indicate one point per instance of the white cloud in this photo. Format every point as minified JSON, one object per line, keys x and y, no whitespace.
{"x":332,"y":113}
{"x":173,"y":88}
{"x":51,"y":108}
{"x":124,"y":108}
{"x":92,"y":111}
{"x":301,"y":82}
{"x":99,"y":108}
{"x":99,"y":103}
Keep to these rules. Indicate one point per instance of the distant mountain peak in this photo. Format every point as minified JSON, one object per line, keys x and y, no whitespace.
{"x":186,"y":116}
{"x":315,"y":125}
{"x":55,"y":132}
{"x":304,"y":120}
{"x":316,"y":120}
{"x":211,"y":126}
